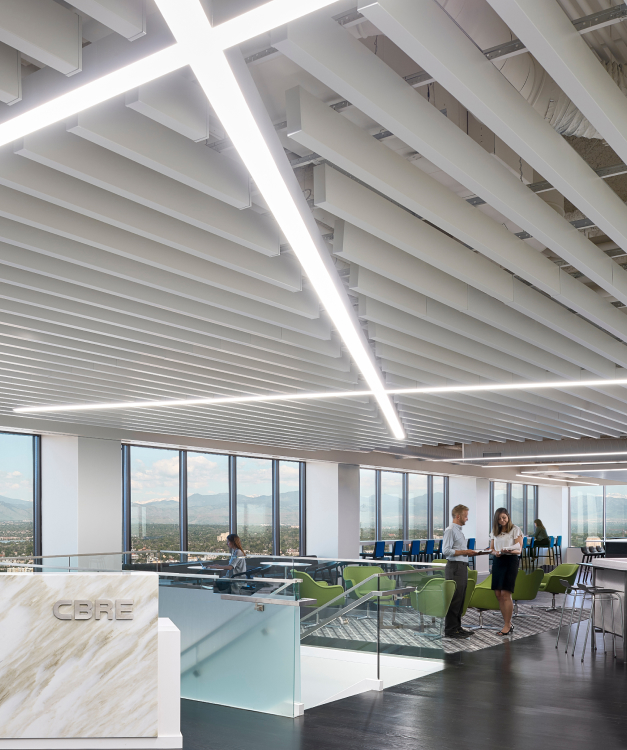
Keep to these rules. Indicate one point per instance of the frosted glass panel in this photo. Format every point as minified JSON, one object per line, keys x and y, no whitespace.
{"x":232,"y":654}
{"x":254,"y":504}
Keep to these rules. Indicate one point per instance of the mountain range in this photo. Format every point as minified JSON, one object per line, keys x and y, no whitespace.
{"x":214,"y":509}
{"x":12,"y":509}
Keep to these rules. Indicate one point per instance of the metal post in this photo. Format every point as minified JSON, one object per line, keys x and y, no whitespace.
{"x":233,"y":494}
{"x":183,"y":503}
{"x":446,"y":502}
{"x":302,"y":475}
{"x":37,"y":518}
{"x":377,"y":494}
{"x":126,"y":501}
{"x":276,"y":510}
{"x":405,"y":490}
{"x":430,"y":506}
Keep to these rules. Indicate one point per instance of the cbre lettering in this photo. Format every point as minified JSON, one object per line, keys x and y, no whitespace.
{"x":101,"y":609}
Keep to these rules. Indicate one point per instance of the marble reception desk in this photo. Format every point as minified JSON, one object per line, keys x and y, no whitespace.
{"x":611,"y":573}
{"x":86,"y":662}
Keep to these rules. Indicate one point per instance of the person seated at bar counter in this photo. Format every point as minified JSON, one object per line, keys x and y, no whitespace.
{"x":237,"y":562}
{"x":540,"y":535}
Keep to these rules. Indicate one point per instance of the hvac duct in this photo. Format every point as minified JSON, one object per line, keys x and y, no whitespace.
{"x":486,"y":29}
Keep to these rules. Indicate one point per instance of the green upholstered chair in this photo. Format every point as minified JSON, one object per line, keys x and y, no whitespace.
{"x":551,"y":581}
{"x":355,"y":574}
{"x":433,"y":600}
{"x":526,"y":588}
{"x":318,"y":590}
{"x":483,"y":599}
{"x":416,"y":578}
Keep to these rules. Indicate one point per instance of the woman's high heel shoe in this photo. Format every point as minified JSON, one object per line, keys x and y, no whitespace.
{"x":509,"y":632}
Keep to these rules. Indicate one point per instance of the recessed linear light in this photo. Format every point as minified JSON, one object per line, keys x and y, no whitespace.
{"x":321,"y":395}
{"x":566,"y":471}
{"x":227,"y":34}
{"x":572,"y":481}
{"x":192,"y":30}
{"x":526,"y":458}
{"x":563,"y":463}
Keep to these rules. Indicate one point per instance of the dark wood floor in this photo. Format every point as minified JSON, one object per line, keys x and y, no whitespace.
{"x":523,"y":694}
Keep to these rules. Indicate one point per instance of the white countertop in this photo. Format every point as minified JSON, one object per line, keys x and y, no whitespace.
{"x":617,"y":563}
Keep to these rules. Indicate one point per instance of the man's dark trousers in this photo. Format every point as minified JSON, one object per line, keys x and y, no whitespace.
{"x":458,"y":572}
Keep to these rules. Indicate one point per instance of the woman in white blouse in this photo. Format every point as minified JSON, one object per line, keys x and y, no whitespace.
{"x":506,"y":546}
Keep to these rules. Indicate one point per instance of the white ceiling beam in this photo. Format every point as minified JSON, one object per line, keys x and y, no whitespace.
{"x":330,"y":53}
{"x":428,"y":35}
{"x":160,"y":306}
{"x":553,"y":41}
{"x":125,"y":17}
{"x":122,"y":276}
{"x":177,"y":103}
{"x":490,"y":293}
{"x":56,"y":148}
{"x":131,"y":316}
{"x":119,"y":129}
{"x":447,"y":347}
{"x":161,"y":264}
{"x":59,"y":221}
{"x":349,"y":147}
{"x":379,"y":303}
{"x":10,"y":75}
{"x":45,"y":31}
{"x":544,"y":411}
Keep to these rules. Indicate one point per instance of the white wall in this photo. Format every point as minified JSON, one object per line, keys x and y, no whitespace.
{"x":551,"y":511}
{"x":81,"y":495}
{"x":332,"y":510}
{"x":483,"y":523}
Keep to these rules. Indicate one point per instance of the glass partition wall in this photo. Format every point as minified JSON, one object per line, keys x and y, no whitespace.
{"x":521,"y":501}
{"x":185,"y":500}
{"x":398,"y":505}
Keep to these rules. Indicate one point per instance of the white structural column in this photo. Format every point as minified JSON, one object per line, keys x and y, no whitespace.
{"x":44,"y":30}
{"x":553,"y":511}
{"x":81,"y":495}
{"x":426,"y":33}
{"x":333,"y":510}
{"x":482,"y":514}
{"x":549,"y":34}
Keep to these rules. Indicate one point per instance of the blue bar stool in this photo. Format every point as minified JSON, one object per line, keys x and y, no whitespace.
{"x":397,"y":551}
{"x":438,"y":550}
{"x":473,"y":560}
{"x":377,"y":554}
{"x":428,"y":551}
{"x":524,"y":554}
{"x":414,"y":550}
{"x":558,"y":550}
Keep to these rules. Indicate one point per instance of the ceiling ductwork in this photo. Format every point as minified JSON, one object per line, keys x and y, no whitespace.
{"x":486,"y":29}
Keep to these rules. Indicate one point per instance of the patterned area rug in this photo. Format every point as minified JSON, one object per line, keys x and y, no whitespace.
{"x":407,"y":631}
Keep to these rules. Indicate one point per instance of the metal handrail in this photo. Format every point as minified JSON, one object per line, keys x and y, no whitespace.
{"x":268,"y":600}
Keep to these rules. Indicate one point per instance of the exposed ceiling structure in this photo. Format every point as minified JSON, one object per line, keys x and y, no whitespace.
{"x":465,"y":162}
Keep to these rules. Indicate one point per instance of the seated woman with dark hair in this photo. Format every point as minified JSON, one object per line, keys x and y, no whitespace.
{"x":540,"y":535}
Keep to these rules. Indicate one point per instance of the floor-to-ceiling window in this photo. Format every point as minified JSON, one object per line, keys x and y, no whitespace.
{"x":155,"y":499}
{"x":616,"y":512}
{"x":367,"y":505}
{"x":289,"y":507}
{"x":207,"y":502}
{"x":586,"y":515}
{"x":254,"y":504}
{"x":399,"y":505}
{"x":190,"y":501}
{"x":520,"y":501}
{"x":418,"y":506}
{"x":17,"y":495}
{"x":391,"y":505}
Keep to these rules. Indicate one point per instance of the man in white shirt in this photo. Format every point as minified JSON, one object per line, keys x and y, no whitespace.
{"x":455,"y":550}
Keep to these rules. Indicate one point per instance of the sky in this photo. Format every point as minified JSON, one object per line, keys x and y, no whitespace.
{"x":155,"y":475}
{"x":16,"y":466}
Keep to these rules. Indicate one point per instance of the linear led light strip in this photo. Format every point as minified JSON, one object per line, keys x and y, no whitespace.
{"x":321,"y":395}
{"x":202,"y":47}
{"x":570,"y":481}
{"x":562,"y":463}
{"x":566,"y":471}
